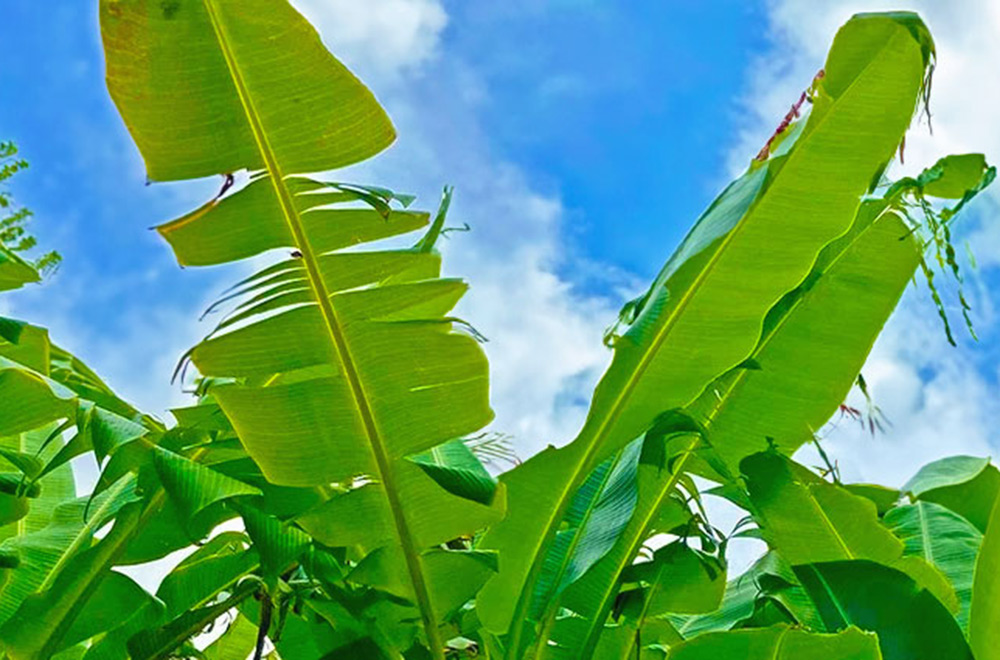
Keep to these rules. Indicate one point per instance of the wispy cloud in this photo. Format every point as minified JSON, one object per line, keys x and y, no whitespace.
{"x":379,"y":37}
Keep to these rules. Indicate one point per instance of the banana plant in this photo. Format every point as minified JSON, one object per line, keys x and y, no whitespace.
{"x":338,"y":397}
{"x":692,"y":325}
{"x":789,"y":386}
{"x":341,"y":365}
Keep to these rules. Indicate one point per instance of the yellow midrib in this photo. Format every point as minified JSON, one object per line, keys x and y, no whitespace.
{"x":337,"y":338}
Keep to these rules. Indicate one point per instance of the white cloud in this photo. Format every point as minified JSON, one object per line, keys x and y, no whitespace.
{"x":964,"y":105}
{"x":939,"y":402}
{"x":379,"y":36}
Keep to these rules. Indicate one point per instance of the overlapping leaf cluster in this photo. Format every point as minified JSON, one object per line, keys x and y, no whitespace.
{"x":333,"y":433}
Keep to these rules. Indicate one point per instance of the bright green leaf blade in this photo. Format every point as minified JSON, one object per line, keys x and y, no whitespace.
{"x":39,"y":626}
{"x":187,"y":117}
{"x":115,"y":598}
{"x":278,"y":545}
{"x":195,"y":486}
{"x":56,"y":487}
{"x":815,"y":342}
{"x":659,"y":509}
{"x":159,"y":643}
{"x":883,"y":497}
{"x":780,"y":643}
{"x":237,"y":643}
{"x":455,"y":468}
{"x":945,"y":540}
{"x":30,"y":400}
{"x":45,"y":553}
{"x":953,"y":176}
{"x":910,"y":623}
{"x":859,"y":277}
{"x":678,"y":580}
{"x":15,"y":272}
{"x":209,"y":570}
{"x":249,"y":222}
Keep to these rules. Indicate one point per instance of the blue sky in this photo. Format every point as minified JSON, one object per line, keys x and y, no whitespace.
{"x":584,"y":138}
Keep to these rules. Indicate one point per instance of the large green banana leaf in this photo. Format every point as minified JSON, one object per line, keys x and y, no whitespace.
{"x":817,"y":337}
{"x":703,"y":314}
{"x":856,"y":280}
{"x":341,"y":364}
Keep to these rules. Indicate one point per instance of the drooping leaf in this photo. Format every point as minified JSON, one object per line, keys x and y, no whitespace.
{"x":911,"y":624}
{"x":45,"y":553}
{"x":195,"y":486}
{"x":943,"y":538}
{"x":115,"y":598}
{"x":209,"y":570}
{"x":278,"y":545}
{"x":807,"y":520}
{"x":456,"y":469}
{"x":965,"y":484}
{"x":30,"y":399}
{"x":39,"y":627}
{"x":15,"y":272}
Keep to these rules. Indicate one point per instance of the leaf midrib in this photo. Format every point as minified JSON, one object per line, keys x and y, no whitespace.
{"x":335,"y":331}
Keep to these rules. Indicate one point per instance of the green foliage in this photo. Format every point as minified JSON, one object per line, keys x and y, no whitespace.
{"x":339,"y":407}
{"x":15,"y":270}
